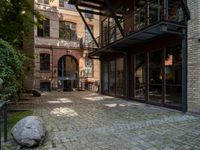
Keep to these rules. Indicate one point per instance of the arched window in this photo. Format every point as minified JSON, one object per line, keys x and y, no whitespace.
{"x":44,"y":62}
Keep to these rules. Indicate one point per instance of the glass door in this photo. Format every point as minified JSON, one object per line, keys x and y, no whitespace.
{"x":120,"y":77}
{"x":112,"y":77}
{"x":155,"y":77}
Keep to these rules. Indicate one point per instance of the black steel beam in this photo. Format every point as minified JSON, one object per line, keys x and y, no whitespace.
{"x":95,"y":2}
{"x":90,"y":6}
{"x":92,"y":35}
{"x":92,"y":12}
{"x":184,"y":73}
{"x":185,"y":9}
{"x":96,"y":13}
{"x":108,"y":4}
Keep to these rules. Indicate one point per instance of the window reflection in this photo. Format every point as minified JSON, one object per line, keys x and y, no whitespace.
{"x":173,"y":73}
{"x":112,"y":84}
{"x":105,"y":77}
{"x":140,"y":76}
{"x":119,"y":77}
{"x":155,"y":77}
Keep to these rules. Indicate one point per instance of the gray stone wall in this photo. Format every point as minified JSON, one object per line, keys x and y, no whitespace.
{"x":194,"y":57}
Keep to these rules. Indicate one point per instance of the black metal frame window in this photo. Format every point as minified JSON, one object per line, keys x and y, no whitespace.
{"x":173,"y":75}
{"x":88,"y":37}
{"x":89,"y":67}
{"x":44,"y":30}
{"x":67,"y":30}
{"x":158,"y":76}
{"x":44,"y":62}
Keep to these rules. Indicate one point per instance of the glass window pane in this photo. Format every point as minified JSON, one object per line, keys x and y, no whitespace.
{"x":173,"y":73}
{"x":67,"y":30}
{"x":105,"y":77}
{"x":105,"y":32}
{"x":139,"y":76}
{"x":112,"y":85}
{"x":89,"y":66}
{"x":155,"y":77}
{"x":120,"y":77}
{"x":44,"y":62}
{"x":61,"y":3}
{"x":46,"y":27}
{"x":46,"y":1}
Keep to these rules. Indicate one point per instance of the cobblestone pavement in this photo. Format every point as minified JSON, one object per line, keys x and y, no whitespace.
{"x":89,"y":121}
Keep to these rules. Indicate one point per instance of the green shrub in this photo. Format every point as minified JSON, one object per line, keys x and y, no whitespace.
{"x":11,"y":70}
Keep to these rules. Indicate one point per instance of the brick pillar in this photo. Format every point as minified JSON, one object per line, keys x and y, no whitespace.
{"x":194,"y":57}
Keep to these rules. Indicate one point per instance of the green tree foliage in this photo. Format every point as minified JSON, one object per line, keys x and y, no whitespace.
{"x":16,"y":20}
{"x":16,"y":16}
{"x":11,"y":70}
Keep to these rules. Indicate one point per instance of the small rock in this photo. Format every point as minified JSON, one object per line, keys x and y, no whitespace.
{"x":29,"y":132}
{"x":36,"y":93}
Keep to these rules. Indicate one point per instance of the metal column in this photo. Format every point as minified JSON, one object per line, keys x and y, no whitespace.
{"x":184,"y":72}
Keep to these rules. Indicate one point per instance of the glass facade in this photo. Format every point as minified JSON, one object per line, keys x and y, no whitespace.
{"x":156,"y":77}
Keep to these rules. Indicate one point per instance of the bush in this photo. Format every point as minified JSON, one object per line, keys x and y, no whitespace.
{"x":11,"y":70}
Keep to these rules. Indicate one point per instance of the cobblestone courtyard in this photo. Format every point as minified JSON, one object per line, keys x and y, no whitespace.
{"x":89,"y":121}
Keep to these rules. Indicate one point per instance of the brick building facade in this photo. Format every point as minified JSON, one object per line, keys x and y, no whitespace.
{"x":60,"y":49}
{"x":194,"y":57}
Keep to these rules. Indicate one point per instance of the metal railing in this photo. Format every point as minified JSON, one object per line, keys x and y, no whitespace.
{"x":151,"y":12}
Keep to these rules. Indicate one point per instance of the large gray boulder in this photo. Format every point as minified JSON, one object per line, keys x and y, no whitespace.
{"x":29,"y":132}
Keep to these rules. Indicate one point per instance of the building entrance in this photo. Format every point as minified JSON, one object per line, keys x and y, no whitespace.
{"x":67,"y":73}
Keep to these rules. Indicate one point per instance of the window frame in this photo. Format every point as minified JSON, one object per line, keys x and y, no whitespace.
{"x":72,"y":32}
{"x":61,"y":3}
{"x":45,"y":63}
{"x":45,"y":30}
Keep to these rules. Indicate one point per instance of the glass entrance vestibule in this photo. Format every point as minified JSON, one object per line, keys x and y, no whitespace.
{"x":113,"y":77}
{"x":157,"y":76}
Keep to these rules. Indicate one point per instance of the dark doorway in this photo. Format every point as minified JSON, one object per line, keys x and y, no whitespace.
{"x":67,"y":73}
